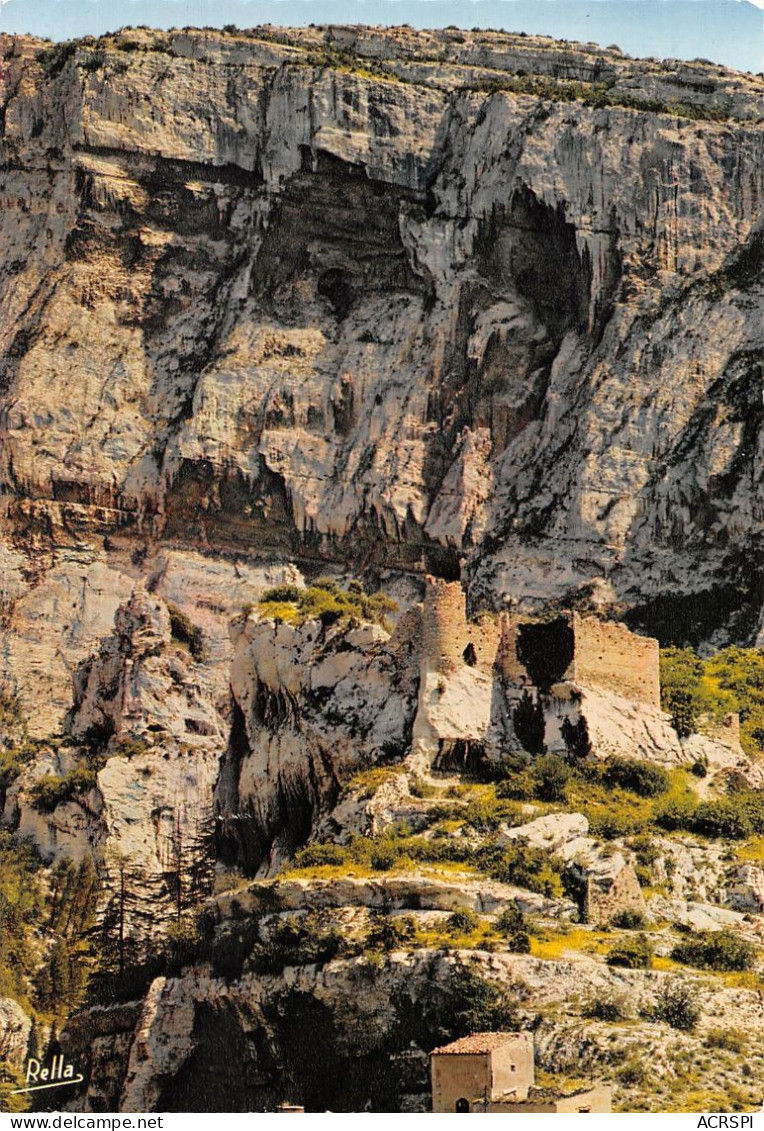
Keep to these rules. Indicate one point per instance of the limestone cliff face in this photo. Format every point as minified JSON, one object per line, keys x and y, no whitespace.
{"x":324,"y":291}
{"x":396,"y":302}
{"x":311,"y":706}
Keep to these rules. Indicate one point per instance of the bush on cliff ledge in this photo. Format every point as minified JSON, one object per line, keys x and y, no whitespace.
{"x":326,"y":601}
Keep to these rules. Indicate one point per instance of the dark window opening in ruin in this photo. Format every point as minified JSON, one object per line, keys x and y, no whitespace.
{"x":546,"y":651}
{"x":470,"y":655}
{"x":462,"y":1105}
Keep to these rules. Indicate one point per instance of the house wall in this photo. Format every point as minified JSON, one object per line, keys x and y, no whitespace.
{"x":624,"y":894}
{"x":512,"y":1066}
{"x":598,"y":1100}
{"x":609,"y":655}
{"x":459,"y":1077}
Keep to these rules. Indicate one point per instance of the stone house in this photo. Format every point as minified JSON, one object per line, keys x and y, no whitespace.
{"x":495,"y":1072}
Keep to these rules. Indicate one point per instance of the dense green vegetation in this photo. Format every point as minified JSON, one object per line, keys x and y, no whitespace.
{"x":633,"y":953}
{"x":45,"y":953}
{"x":327,"y":601}
{"x":54,"y":789}
{"x":735,"y":817}
{"x":22,"y":910}
{"x":732,"y":680}
{"x":715,"y":950}
{"x":597,"y":95}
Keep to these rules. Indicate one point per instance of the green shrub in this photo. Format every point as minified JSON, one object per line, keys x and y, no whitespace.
{"x":733,"y":818}
{"x":422,"y":789}
{"x":485,"y":814}
{"x":676,"y":814}
{"x":299,"y":941}
{"x":716,"y":950}
{"x":326,"y":601}
{"x":512,"y":926}
{"x":281,"y":593}
{"x":551,"y":777}
{"x":462,"y":922}
{"x":316,"y":855}
{"x":613,"y":823}
{"x":632,"y":954}
{"x":183,"y":943}
{"x":628,"y":920}
{"x":510,"y":920}
{"x":519,"y":787}
{"x":384,"y":855}
{"x":632,"y":1072}
{"x":606,"y":1007}
{"x":389,"y":932}
{"x":642,"y":778}
{"x":722,"y":818}
{"x":645,"y":850}
{"x":523,"y":866}
{"x":677,"y":1004}
{"x":52,"y":790}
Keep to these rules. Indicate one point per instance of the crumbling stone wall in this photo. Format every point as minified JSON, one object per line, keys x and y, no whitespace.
{"x":610,"y":895}
{"x":608,"y":655}
{"x":512,"y":670}
{"x":444,"y":625}
{"x":448,"y":639}
{"x":585,"y":650}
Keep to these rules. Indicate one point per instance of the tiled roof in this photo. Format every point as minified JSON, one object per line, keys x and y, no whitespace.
{"x":476,"y":1044}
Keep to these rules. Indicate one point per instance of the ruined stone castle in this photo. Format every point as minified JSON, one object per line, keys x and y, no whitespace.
{"x":531,"y":653}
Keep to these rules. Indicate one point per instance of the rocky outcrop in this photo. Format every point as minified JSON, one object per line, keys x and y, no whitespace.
{"x":189,"y":1027}
{"x":312,"y":705}
{"x":132,"y":784}
{"x":410,"y":382}
{"x":14,"y":1032}
{"x":395,"y":893}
